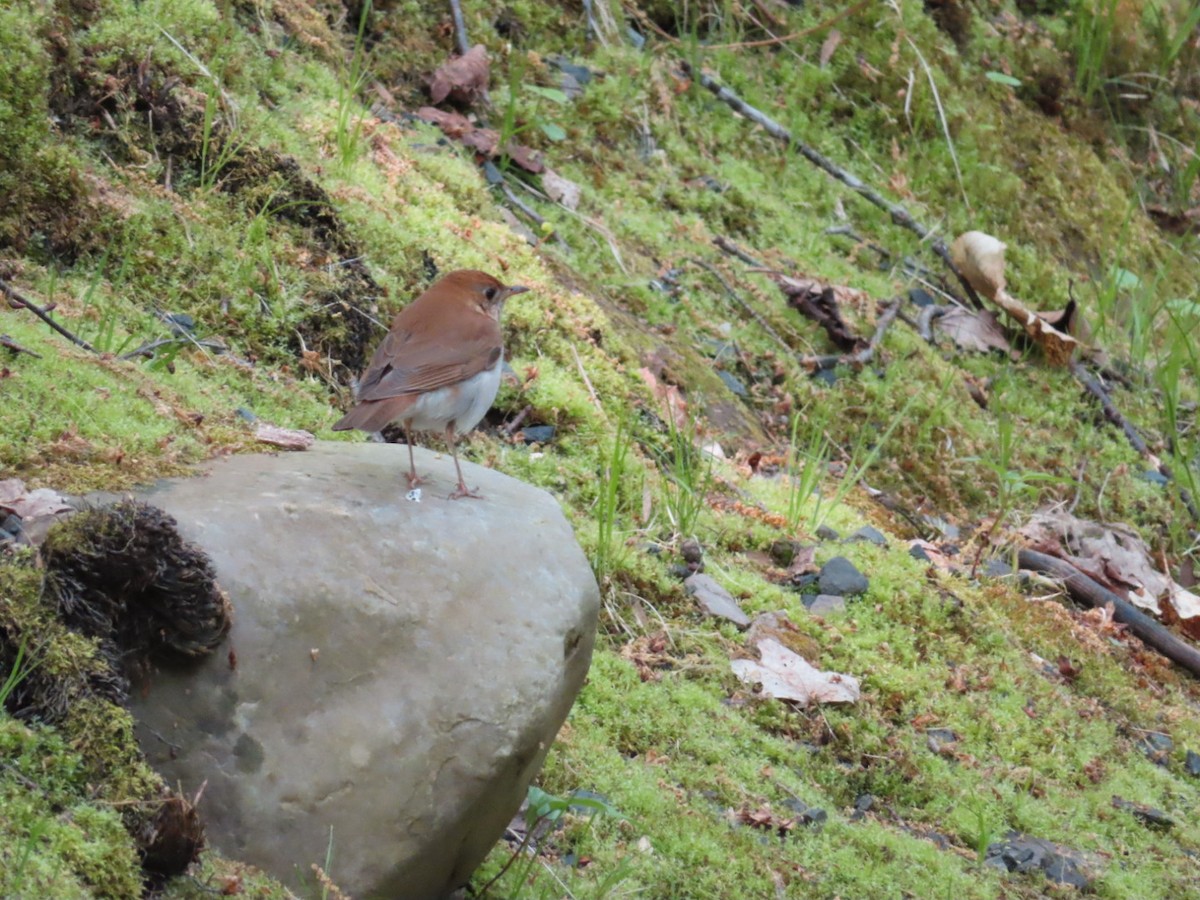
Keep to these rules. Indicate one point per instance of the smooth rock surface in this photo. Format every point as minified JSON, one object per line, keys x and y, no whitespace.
{"x":395,"y":673}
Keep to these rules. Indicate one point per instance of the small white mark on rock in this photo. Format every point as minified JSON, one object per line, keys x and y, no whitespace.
{"x":414,"y":495}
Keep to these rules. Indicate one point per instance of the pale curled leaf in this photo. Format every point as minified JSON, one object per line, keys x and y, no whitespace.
{"x":787,"y":676}
{"x":976,"y":331}
{"x":561,"y":190}
{"x":980,"y":259}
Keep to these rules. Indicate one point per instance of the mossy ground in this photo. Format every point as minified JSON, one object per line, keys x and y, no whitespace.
{"x":146,"y":152}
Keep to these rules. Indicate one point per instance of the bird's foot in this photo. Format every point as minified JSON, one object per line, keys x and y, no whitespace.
{"x":415,"y":480}
{"x":462,"y":492}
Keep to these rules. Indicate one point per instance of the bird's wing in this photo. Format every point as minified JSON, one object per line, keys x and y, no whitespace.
{"x":410,"y":361}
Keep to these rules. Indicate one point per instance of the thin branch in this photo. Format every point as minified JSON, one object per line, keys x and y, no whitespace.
{"x":737,"y":298}
{"x":1084,"y":589}
{"x":925,"y":320}
{"x":1093,"y":386}
{"x":460,"y":27}
{"x":900,"y":215}
{"x":860,"y":358}
{"x":17,"y":300}
{"x":733,"y":249}
{"x":587,"y":381}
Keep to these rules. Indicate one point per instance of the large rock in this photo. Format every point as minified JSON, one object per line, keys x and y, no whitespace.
{"x":395,"y":673}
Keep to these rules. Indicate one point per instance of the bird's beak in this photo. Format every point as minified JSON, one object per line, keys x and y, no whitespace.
{"x":515,"y":289}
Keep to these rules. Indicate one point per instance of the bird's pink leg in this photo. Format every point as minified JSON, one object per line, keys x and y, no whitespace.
{"x":462,"y":491}
{"x":413,"y":478}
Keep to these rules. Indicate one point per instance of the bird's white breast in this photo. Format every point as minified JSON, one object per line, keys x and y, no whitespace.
{"x":464,"y":403}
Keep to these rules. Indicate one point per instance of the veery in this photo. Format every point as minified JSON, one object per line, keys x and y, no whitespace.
{"x":438,"y":368}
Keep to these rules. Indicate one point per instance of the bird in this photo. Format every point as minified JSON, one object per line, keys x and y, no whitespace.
{"x":438,"y":368}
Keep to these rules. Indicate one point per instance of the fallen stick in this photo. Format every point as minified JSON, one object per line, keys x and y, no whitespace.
{"x":17,"y":300}
{"x":733,"y":249}
{"x":1084,"y":589}
{"x":860,"y":358}
{"x":16,"y":349}
{"x":899,"y":214}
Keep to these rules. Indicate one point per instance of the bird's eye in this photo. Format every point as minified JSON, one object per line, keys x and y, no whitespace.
{"x":490,"y":293}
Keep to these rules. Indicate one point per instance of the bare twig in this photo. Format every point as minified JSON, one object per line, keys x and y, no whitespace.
{"x":587,"y":381}
{"x":925,"y":321}
{"x":900,"y":215}
{"x":1083,"y":588}
{"x":460,"y":27}
{"x":17,"y":300}
{"x":9,"y":344}
{"x":860,"y":358}
{"x":1093,"y":386}
{"x":737,"y":298}
{"x":733,"y":249}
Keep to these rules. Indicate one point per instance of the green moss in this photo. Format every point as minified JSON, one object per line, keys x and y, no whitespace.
{"x":119,"y":213}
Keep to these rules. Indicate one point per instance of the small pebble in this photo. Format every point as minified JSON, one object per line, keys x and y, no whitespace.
{"x":839,"y":576}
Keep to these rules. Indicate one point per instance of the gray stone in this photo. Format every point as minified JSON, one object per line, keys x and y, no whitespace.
{"x":870,"y":534}
{"x":1191,"y":763}
{"x":1021,"y":853}
{"x":997,"y":568}
{"x":825,"y":533}
{"x":733,"y":383}
{"x":827,"y":604}
{"x":401,"y":667}
{"x":715,"y":600}
{"x":839,"y":576}
{"x":1147,"y":815}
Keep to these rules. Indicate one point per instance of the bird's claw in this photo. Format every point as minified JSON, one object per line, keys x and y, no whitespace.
{"x":462,"y":492}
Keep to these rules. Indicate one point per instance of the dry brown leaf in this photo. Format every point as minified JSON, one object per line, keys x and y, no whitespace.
{"x":526,"y":157}
{"x":787,"y":676}
{"x":462,"y":79}
{"x":1115,"y":556}
{"x":453,"y":125}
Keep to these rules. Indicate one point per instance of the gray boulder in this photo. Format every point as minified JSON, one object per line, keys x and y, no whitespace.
{"x":396,"y":670}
